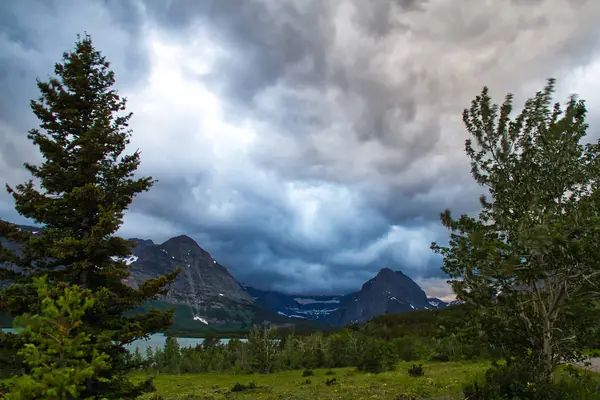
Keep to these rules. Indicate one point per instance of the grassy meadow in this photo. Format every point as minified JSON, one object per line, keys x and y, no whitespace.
{"x":441,"y":380}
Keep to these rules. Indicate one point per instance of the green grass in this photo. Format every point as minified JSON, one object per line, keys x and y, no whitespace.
{"x":592,"y":352}
{"x":441,"y":380}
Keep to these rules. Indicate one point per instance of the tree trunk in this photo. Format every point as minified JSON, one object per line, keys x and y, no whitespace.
{"x":83,"y":278}
{"x":547,"y":358}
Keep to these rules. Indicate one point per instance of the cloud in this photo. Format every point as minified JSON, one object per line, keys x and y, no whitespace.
{"x":305,"y":144}
{"x":437,"y":287}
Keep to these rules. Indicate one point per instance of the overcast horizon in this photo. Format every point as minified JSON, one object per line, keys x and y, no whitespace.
{"x":304,"y":144}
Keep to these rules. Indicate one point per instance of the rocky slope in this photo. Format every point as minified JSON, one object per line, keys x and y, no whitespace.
{"x":204,"y":284}
{"x":390,"y":292}
{"x":206,"y":294}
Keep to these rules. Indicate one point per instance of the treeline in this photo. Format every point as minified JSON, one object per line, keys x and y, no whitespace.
{"x":267,"y":350}
{"x":451,"y":334}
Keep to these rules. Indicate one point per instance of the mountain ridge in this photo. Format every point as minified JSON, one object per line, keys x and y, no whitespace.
{"x":208,"y":294}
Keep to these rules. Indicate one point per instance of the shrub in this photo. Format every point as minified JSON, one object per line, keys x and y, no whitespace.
{"x":238,"y":387}
{"x":416,"y":370}
{"x":440,"y":357}
{"x":307,"y":372}
{"x":517,"y":381}
{"x":406,"y":397}
{"x":376,"y":356}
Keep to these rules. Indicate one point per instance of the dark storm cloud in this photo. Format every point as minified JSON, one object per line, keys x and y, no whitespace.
{"x":354,"y":107}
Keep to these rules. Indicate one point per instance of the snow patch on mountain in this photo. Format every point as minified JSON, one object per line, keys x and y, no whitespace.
{"x":304,"y":301}
{"x":128,"y":260}
{"x":291,"y":315}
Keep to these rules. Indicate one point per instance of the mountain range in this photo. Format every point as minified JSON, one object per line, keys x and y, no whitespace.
{"x":206,"y":295}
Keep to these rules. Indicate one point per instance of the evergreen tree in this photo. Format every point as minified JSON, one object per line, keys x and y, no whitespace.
{"x":138,"y":358}
{"x":172,"y":356}
{"x":86,"y":183}
{"x":531,"y":258}
{"x":150,"y":362}
{"x":60,"y":356}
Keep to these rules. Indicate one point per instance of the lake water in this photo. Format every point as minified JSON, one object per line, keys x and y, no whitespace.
{"x":157,"y":340}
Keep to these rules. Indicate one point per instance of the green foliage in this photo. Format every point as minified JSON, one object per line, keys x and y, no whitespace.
{"x":262,"y":348}
{"x":58,"y":352}
{"x":331,"y":381}
{"x":172,"y":355}
{"x":416,"y":370}
{"x":86,"y":183}
{"x":138,"y":358}
{"x":263,"y":353}
{"x":530,"y":259}
{"x":518,"y":381}
{"x":442,"y":381}
{"x":238,"y":387}
{"x":376,"y":356}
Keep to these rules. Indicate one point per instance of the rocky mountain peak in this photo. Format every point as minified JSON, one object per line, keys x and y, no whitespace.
{"x":386,"y":271}
{"x":389,"y":292}
{"x":183,"y":246}
{"x":388,"y":278}
{"x":181,"y":240}
{"x":141,"y":241}
{"x":140,"y":244}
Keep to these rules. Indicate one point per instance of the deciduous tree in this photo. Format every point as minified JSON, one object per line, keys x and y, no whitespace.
{"x":532,"y":255}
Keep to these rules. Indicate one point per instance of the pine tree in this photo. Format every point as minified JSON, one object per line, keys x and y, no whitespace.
{"x":150,"y":363}
{"x":172,"y":356}
{"x":138,"y":358}
{"x":86,"y":183}
{"x":56,"y":352}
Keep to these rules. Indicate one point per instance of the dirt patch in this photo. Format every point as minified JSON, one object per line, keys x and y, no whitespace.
{"x":594,"y":364}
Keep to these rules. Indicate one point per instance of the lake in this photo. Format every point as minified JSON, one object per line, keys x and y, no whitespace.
{"x":157,"y":340}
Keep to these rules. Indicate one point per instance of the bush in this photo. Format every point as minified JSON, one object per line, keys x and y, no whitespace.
{"x":238,"y":387}
{"x":307,"y":372}
{"x":440,"y":357}
{"x":416,"y":370}
{"x":376,"y":356}
{"x":517,"y":381}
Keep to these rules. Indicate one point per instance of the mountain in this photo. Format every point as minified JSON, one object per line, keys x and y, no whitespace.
{"x":297,"y":306}
{"x":204,"y":287}
{"x":207,"y":296}
{"x":390,"y":292}
{"x":436,"y":303}
{"x":203,"y":279}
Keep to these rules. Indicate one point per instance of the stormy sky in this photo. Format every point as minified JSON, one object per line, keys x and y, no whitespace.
{"x":305,"y":144}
